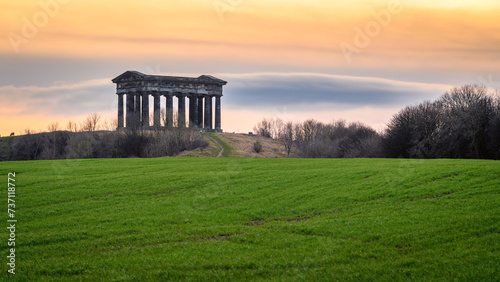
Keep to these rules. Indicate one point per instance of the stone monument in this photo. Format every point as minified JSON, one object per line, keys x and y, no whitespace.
{"x":136,"y":87}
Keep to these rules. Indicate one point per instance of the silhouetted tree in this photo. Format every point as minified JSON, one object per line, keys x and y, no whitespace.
{"x":264,"y":128}
{"x":91,"y":123}
{"x":460,"y":124}
{"x":28,"y":146}
{"x":285,"y":135}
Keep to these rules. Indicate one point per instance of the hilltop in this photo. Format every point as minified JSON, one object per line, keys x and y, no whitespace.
{"x":107,"y":144}
{"x":238,"y":145}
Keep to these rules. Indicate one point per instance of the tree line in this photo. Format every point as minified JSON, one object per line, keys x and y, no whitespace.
{"x":462,"y":123}
{"x":85,"y":140}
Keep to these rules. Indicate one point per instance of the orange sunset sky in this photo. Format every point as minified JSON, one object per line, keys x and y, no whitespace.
{"x":322,"y":59}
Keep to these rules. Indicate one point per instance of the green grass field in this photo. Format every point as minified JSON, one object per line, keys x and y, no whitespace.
{"x":254,"y":219}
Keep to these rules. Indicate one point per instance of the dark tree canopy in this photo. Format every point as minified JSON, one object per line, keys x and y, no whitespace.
{"x":463,"y":123}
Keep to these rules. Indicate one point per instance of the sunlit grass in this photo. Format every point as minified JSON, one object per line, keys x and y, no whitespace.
{"x":235,"y":218}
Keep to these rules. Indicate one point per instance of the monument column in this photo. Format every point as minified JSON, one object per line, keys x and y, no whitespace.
{"x":169,"y":111}
{"x":217,"y":114}
{"x":181,"y":111}
{"x":200,"y":111}
{"x":120,"y":110}
{"x":130,"y":109}
{"x":156,"y":110}
{"x":137,"y":109}
{"x":145,"y":110}
{"x":208,"y":113}
{"x":193,"y":111}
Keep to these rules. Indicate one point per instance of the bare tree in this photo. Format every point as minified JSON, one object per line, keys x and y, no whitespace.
{"x":264,"y":128}
{"x":72,"y":126}
{"x":398,"y":135}
{"x":317,"y":140}
{"x":91,"y":123}
{"x":306,"y":132}
{"x":53,"y":127}
{"x":276,"y":127}
{"x":494,"y":131}
{"x":269,"y":128}
{"x":468,"y":111}
{"x":110,"y":124}
{"x":285,"y":135}
{"x":425,"y":130}
{"x":310,"y":130}
{"x":457,"y":125}
{"x":52,"y":141}
{"x":81,"y":146}
{"x":28,"y":146}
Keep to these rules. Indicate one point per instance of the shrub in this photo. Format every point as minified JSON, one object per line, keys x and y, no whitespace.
{"x":257,"y":146}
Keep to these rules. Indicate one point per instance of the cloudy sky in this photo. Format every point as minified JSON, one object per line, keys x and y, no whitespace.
{"x":358,"y":60}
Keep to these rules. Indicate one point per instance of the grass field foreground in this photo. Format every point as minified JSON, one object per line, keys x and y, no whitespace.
{"x":235,"y":218}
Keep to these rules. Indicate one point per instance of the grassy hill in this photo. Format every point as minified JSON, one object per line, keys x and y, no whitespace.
{"x":238,"y":145}
{"x":250,"y":218}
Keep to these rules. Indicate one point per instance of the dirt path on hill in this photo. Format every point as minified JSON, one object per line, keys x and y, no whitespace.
{"x":240,"y":145}
{"x":221,"y":148}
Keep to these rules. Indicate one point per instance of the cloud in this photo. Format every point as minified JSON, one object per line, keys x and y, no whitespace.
{"x":59,"y":100}
{"x":292,"y":89}
{"x":247,"y":99}
{"x":244,"y":91}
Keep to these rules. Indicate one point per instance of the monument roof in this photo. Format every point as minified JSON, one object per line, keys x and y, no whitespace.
{"x":138,"y":76}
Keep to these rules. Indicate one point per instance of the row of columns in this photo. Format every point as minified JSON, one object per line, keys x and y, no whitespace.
{"x":199,"y":116}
